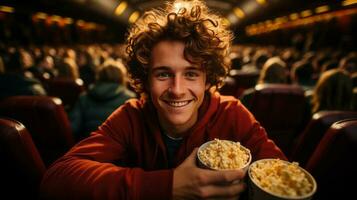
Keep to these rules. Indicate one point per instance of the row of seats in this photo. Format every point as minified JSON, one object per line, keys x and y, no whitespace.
{"x":46,"y":120}
{"x":308,"y":140}
{"x":282,"y":110}
{"x":238,"y":81}
{"x":68,"y":90}
{"x":22,"y":167}
{"x":332,"y":163}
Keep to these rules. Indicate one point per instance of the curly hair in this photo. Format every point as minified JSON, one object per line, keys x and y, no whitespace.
{"x":207,"y":40}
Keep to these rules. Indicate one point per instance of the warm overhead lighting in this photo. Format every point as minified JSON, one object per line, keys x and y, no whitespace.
{"x":80,"y":23}
{"x":281,"y":20}
{"x":41,"y":15}
{"x":7,"y":9}
{"x":322,"y":9}
{"x":121,"y":8}
{"x":348,"y":2}
{"x":261,"y":1}
{"x":294,"y":16}
{"x":56,"y":18}
{"x":306,"y":13}
{"x":134,"y":16}
{"x":68,"y":20}
{"x":268,"y":22}
{"x":239,"y":12}
{"x":255,"y":30}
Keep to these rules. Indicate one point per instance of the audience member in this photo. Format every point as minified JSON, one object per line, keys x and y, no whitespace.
{"x":333,"y":91}
{"x":274,"y":71}
{"x":302,"y":74}
{"x":103,"y":97}
{"x":15,"y":81}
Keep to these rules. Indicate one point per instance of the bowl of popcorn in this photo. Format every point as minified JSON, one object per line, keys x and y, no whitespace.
{"x":276,"y":179}
{"x":223,"y":155}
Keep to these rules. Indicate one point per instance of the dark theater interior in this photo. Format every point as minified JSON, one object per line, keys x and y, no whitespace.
{"x":101,"y":100}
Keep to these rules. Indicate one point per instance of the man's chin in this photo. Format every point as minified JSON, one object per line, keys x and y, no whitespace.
{"x":176,"y":123}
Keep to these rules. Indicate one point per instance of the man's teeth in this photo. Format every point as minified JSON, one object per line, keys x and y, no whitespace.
{"x":178,"y":103}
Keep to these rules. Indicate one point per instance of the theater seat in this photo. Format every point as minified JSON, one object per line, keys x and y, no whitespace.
{"x":21,"y":167}
{"x":333,"y":163}
{"x":314,"y":131}
{"x":282,"y":110}
{"x":229,"y":88}
{"x":68,"y":90}
{"x":46,"y":120}
{"x":243,"y":80}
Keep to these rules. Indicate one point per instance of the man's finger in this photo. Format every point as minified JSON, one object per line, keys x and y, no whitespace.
{"x":191,"y":159}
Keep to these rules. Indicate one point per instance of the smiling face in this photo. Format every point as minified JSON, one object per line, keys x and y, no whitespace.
{"x":176,"y":87}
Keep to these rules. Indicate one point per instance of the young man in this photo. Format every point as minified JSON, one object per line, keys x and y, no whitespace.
{"x":147,"y":148}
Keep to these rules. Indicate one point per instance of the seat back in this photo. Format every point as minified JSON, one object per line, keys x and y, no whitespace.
{"x":282,"y":110}
{"x":314,"y":131}
{"x":229,"y":88}
{"x":243,"y":80}
{"x":68,"y":90}
{"x":21,"y":168}
{"x":46,"y":120}
{"x":333,"y":163}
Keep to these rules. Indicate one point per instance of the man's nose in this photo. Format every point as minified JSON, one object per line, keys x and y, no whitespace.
{"x":177,"y":86}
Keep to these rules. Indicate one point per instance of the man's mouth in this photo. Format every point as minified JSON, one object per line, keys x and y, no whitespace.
{"x":178,"y":103}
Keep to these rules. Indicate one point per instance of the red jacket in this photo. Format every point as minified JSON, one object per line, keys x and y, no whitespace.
{"x":126,"y":158}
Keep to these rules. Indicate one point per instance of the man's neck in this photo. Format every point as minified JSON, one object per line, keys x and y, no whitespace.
{"x":174,"y":131}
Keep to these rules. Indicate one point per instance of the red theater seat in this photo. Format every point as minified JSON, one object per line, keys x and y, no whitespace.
{"x":243,"y":80}
{"x":314,"y":131}
{"x":67,"y":90}
{"x":333,"y":163}
{"x":282,"y":110}
{"x":229,"y":88}
{"x":46,"y":120}
{"x":21,"y":167}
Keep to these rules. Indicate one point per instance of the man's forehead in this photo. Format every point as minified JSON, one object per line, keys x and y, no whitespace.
{"x":172,"y":68}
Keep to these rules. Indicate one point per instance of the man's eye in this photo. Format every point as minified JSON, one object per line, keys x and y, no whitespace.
{"x":191,"y":74}
{"x":163,"y":75}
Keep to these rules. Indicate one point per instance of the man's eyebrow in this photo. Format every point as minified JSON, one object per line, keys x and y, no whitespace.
{"x":166,"y":68}
{"x":194,"y":68}
{"x":160,"y":68}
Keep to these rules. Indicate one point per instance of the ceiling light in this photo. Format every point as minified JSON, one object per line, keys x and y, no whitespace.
{"x":134,"y":16}
{"x":121,"y":8}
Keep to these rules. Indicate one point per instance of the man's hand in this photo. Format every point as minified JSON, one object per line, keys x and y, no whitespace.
{"x":191,"y":182}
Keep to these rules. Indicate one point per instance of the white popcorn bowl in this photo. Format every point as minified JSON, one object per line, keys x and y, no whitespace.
{"x":203,"y":165}
{"x":256,"y":192}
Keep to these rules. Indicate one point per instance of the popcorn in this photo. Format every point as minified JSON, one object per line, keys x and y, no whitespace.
{"x":224,"y":154}
{"x":281,"y":178}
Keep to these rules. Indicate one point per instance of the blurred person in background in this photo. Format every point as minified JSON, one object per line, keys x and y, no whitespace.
{"x":274,"y":71}
{"x":333,"y":91}
{"x":86,"y":67}
{"x":16,"y":80}
{"x":68,"y":69}
{"x":147,"y":148}
{"x":46,"y":67}
{"x":349,"y":63}
{"x":302,"y":74}
{"x":102,"y":98}
{"x":258,"y":60}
